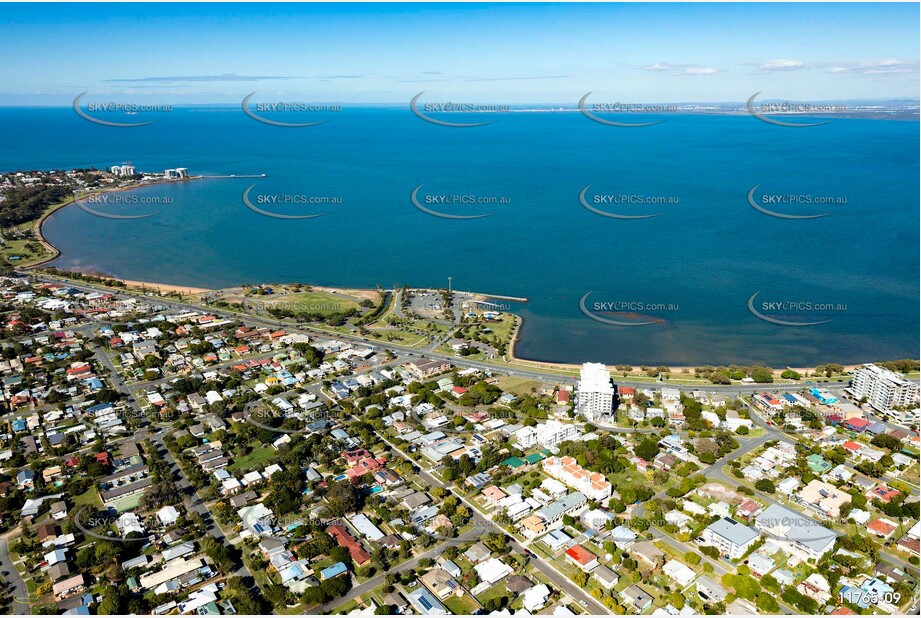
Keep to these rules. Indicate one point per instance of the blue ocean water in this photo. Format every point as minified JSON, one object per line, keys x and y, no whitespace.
{"x":704,"y":256}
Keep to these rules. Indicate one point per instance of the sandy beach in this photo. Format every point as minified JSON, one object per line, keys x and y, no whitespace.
{"x":161,"y":287}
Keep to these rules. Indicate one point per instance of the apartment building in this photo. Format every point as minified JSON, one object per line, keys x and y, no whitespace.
{"x":566,"y":470}
{"x":596,"y":393}
{"x":883,"y":389}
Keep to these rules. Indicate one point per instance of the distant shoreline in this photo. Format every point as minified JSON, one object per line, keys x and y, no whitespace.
{"x":909,"y":112}
{"x":891,"y":101}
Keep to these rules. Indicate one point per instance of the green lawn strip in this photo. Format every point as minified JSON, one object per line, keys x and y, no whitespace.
{"x":346,"y":607}
{"x":398,"y":336}
{"x":323,"y":303}
{"x":257,"y":458}
{"x":492,"y":593}
{"x":464,"y":605}
{"x":20,"y":248}
{"x":89,"y":497}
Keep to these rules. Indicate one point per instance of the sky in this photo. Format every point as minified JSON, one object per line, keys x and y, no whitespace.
{"x":500,"y":53}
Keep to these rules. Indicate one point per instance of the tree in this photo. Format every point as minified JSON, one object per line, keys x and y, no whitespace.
{"x":343,"y":498}
{"x":114,"y":601}
{"x":160,"y":494}
{"x":340,"y":554}
{"x":313,"y":595}
{"x":801,"y":601}
{"x":705,"y":446}
{"x":769,"y":583}
{"x":765,"y":485}
{"x":710,"y":550}
{"x":647,"y":449}
{"x":767,"y":603}
{"x":832,"y":369}
{"x":886,"y":441}
{"x":745,"y":586}
{"x":220,"y":554}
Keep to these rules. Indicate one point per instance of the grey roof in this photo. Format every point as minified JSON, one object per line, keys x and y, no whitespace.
{"x":416,"y":500}
{"x":714,"y":590}
{"x":761,"y":563}
{"x":790,"y":526}
{"x":477,"y":552}
{"x":605,"y":574}
{"x":733,"y":531}
{"x":637,"y":596}
{"x":556,"y":509}
{"x":518,"y":583}
{"x":312,"y":475}
{"x":423,"y":515}
{"x":395,"y":599}
{"x":135,"y":562}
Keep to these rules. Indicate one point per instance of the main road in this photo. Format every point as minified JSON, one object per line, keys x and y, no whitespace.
{"x":549,"y":570}
{"x":544,"y":376}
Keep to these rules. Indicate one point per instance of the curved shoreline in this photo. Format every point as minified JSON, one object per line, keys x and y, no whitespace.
{"x":37,"y":230}
{"x":513,"y":359}
{"x":38,"y":225}
{"x":678,"y":370}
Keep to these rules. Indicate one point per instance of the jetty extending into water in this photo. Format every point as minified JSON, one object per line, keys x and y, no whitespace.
{"x":515,"y":299}
{"x":238,"y":176}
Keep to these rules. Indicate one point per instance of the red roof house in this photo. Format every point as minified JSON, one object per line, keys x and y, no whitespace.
{"x":583,"y":558}
{"x":346,"y":540}
{"x":857,"y":424}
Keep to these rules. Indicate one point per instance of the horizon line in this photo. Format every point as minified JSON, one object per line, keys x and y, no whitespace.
{"x":574,"y":104}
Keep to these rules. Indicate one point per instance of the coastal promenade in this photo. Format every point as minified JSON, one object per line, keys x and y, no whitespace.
{"x":509,"y":369}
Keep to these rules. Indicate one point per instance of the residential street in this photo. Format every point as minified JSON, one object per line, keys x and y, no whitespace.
{"x":481,"y":522}
{"x":18,"y":589}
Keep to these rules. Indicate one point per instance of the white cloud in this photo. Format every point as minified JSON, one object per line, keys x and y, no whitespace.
{"x":701,"y":71}
{"x":659,"y":67}
{"x":681,"y":69}
{"x":782,"y":65}
{"x":888,"y":66}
